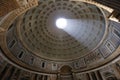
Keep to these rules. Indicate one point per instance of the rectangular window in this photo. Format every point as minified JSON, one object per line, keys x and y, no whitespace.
{"x":11,"y":44}
{"x":109,"y":46}
{"x":116,"y":32}
{"x":43,"y":64}
{"x":20,"y":54}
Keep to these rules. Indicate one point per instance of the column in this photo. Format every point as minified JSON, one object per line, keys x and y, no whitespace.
{"x":93,"y":76}
{"x":53,"y":77}
{"x":116,"y":71}
{"x":2,"y":67}
{"x":20,"y":75}
{"x":15,"y":74}
{"x":98,"y":75}
{"x":90,"y":76}
{"x":4,"y":70}
{"x":58,"y":76}
{"x":32,"y":77}
{"x":74,"y":76}
{"x":7,"y":73}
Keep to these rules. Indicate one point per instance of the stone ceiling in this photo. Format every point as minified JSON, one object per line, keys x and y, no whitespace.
{"x":39,"y":34}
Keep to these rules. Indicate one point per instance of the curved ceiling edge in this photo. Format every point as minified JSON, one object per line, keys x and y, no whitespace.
{"x":7,"y":53}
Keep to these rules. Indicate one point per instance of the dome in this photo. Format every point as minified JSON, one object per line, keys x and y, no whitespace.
{"x":59,"y":40}
{"x":83,"y":33}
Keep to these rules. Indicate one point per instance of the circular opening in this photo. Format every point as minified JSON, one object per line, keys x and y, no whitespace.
{"x":61,"y":23}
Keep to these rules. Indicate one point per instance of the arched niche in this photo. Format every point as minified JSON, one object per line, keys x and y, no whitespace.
{"x":66,"y":70}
